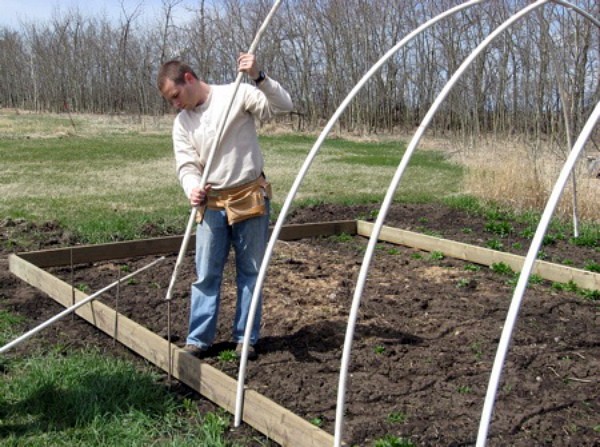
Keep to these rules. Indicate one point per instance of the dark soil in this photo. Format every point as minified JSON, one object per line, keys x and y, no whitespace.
{"x":426,"y":338}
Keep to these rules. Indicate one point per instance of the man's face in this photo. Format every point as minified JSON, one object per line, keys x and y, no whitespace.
{"x":180,"y":96}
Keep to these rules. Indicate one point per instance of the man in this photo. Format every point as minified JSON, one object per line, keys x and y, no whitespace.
{"x":234,"y":206}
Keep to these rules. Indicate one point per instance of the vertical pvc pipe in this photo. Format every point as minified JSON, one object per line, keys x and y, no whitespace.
{"x":530,"y":259}
{"x":298,"y":181}
{"x":385,"y":207}
{"x":212,"y":152}
{"x":76,"y":306}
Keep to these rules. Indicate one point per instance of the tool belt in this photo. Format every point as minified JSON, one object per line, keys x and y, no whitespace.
{"x":240,"y":203}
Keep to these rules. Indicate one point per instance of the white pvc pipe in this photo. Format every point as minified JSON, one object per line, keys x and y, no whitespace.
{"x":76,"y":306}
{"x":388,"y":201}
{"x":578,"y":10}
{"x":212,"y":152}
{"x":530,"y":259}
{"x":298,"y":181}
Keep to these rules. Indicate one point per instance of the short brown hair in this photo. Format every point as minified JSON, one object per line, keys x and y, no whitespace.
{"x":174,"y":70}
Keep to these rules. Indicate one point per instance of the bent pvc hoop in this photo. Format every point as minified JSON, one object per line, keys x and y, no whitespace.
{"x":298,"y":181}
{"x":523,"y":280}
{"x":212,"y":152}
{"x":76,"y":306}
{"x":387,"y":202}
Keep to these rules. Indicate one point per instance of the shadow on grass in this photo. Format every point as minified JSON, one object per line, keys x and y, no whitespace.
{"x":49,"y":404}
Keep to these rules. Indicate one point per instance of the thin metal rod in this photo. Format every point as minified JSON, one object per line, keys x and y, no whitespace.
{"x":76,"y":306}
{"x":523,"y":280}
{"x":170,"y":371}
{"x":116,"y":329}
{"x":211,"y":155}
{"x":298,"y":181}
{"x":72,"y":278}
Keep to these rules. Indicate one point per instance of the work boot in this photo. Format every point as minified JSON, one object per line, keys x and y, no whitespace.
{"x":194,"y":350}
{"x":252,"y":355}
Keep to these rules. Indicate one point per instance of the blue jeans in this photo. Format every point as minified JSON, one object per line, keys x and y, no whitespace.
{"x":214,"y":237}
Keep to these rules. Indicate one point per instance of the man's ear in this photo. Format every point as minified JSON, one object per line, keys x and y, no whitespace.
{"x":188,"y":77}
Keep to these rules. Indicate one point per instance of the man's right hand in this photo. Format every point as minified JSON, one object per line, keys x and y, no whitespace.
{"x":198,"y":196}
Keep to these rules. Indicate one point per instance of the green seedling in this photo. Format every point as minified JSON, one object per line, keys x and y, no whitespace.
{"x":83,"y":287}
{"x":392,"y":441}
{"x":463,"y":282}
{"x":502,"y":228}
{"x":227,"y":355}
{"x":565,"y":286}
{"x":397,"y":417}
{"x":477,"y":350}
{"x":472,"y":268}
{"x":592,"y":266}
{"x":342,"y":237}
{"x":465,"y":389}
{"x":436,"y":256}
{"x":416,"y":256}
{"x":588,"y":294}
{"x":467,"y":230}
{"x":125,"y":268}
{"x":379,"y":349}
{"x":317,"y":422}
{"x":502,"y":268}
{"x":495,"y":244}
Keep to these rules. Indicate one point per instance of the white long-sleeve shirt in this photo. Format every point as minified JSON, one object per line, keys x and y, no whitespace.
{"x":238,"y":158}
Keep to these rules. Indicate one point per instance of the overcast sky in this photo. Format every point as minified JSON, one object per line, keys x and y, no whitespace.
{"x":14,"y":12}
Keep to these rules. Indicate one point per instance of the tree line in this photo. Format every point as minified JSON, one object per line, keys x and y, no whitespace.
{"x":539,"y":78}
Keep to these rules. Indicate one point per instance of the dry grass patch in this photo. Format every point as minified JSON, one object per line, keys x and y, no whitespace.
{"x":522,"y":177}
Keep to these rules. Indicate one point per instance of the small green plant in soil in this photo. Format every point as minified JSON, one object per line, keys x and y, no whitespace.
{"x":588,"y":294}
{"x":397,"y":417}
{"x":392,"y":441}
{"x":592,"y":266}
{"x":494,"y":244}
{"x":83,"y":288}
{"x":477,"y":350}
{"x":565,"y":286}
{"x":227,"y":355}
{"x":436,"y":256}
{"x":379,"y":349}
{"x":501,"y":228}
{"x":472,"y":268}
{"x":463,"y":282}
{"x":342,"y":237}
{"x":464,"y":389}
{"x":317,"y":421}
{"x":502,"y":268}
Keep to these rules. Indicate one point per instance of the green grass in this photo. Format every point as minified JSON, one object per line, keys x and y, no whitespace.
{"x":106,"y":187}
{"x":85,"y":398}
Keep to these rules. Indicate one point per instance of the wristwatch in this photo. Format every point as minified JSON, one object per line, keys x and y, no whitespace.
{"x":261,"y":77}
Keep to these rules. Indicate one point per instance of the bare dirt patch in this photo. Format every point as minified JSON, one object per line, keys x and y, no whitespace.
{"x":424,"y":346}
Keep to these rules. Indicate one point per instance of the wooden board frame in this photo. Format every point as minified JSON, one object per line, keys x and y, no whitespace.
{"x":269,"y":418}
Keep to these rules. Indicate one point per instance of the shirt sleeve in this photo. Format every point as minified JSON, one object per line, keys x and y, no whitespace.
{"x":187,"y":161}
{"x":268,"y":99}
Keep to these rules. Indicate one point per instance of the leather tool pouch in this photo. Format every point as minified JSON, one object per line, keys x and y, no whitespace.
{"x":240,"y":203}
